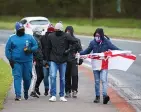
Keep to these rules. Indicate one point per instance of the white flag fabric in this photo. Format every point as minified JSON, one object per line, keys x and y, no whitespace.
{"x":116,"y":59}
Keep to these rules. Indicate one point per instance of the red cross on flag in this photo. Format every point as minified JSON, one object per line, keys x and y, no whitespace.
{"x":116,"y":59}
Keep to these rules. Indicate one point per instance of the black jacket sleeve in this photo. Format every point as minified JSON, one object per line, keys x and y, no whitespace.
{"x":71,"y":39}
{"x":43,"y":47}
{"x":79,"y":48}
{"x":48,"y":48}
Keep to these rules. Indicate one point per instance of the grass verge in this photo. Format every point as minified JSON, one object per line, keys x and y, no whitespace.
{"x":5,"y":81}
{"x":115,"y":28}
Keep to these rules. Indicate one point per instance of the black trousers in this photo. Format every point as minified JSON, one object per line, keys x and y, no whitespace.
{"x":71,"y":77}
{"x":40,"y":75}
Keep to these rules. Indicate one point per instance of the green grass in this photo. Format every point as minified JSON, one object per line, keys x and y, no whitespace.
{"x":118,"y":23}
{"x":7,"y":25}
{"x":115,"y":28}
{"x":5,"y":81}
{"x":125,"y":33}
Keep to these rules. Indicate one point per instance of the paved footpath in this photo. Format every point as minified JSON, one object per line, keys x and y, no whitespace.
{"x":84,"y":102}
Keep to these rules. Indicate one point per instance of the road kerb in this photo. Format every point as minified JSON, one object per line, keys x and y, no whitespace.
{"x":119,"y":102}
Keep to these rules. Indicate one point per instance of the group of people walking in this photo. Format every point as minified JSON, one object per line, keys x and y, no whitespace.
{"x":37,"y":58}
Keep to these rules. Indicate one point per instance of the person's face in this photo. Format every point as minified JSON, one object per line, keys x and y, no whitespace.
{"x":67,"y":31}
{"x":97,"y":37}
{"x":20,"y":32}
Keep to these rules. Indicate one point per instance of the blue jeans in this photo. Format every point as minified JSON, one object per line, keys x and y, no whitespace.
{"x":103,"y":76}
{"x":53,"y":74}
{"x":22,"y":71}
{"x":46,"y":77}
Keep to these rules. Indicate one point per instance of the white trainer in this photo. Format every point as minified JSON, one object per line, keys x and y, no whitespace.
{"x":63,"y":99}
{"x":52,"y":99}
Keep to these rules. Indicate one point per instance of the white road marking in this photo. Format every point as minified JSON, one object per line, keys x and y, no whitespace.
{"x":2,"y":44}
{"x":111,"y":39}
{"x":87,"y":65}
{"x":83,"y":45}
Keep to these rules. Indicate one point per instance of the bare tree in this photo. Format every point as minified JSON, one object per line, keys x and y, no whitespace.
{"x":91,"y":10}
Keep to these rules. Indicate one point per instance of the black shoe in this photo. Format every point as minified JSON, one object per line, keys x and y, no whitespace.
{"x":46,"y":92}
{"x":74,"y":94}
{"x":33,"y":94}
{"x":18,"y":99}
{"x":97,"y":99}
{"x":106,"y":99}
{"x":37,"y":91}
{"x":26,"y":95}
{"x":68,"y":95}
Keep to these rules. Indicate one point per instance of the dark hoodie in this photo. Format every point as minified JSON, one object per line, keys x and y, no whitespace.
{"x":38,"y":55}
{"x":57,"y":43}
{"x":70,"y":28}
{"x":73,"y":49}
{"x":44,"y":45}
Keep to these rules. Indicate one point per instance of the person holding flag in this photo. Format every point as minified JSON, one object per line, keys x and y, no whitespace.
{"x":98,"y":45}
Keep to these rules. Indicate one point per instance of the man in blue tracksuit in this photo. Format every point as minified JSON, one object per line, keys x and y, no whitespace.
{"x":18,"y":50}
{"x":100,"y":44}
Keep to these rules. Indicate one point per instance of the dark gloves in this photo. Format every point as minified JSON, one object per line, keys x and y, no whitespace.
{"x":27,"y":50}
{"x":38,"y":57}
{"x":11,"y":62}
{"x":80,"y":61}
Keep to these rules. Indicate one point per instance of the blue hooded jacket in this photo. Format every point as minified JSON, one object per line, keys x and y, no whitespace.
{"x":97,"y":47}
{"x":15,"y":45}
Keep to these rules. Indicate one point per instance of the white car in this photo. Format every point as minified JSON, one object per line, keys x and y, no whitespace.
{"x":32,"y":22}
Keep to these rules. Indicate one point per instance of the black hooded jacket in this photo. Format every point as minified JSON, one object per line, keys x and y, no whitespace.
{"x":73,"y":49}
{"x":38,"y":56}
{"x":44,"y":45}
{"x":57,"y":43}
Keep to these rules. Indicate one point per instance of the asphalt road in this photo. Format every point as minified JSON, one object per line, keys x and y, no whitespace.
{"x":128,"y":83}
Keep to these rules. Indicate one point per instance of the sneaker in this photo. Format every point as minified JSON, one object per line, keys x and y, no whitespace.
{"x":26,"y":95}
{"x":18,"y":99}
{"x":46,"y":92}
{"x":106,"y":99}
{"x":97,"y":99}
{"x":74,"y":94}
{"x":37,"y":91}
{"x":68,"y":95}
{"x":63,"y":99}
{"x":52,"y":99}
{"x":33,"y":94}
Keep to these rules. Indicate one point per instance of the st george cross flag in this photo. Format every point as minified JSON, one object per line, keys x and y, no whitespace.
{"x":116,"y":59}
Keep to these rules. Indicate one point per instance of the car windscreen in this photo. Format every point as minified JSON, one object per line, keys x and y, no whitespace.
{"x":39,"y":22}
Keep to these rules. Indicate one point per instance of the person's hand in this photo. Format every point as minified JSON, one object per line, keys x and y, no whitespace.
{"x":80,"y":61}
{"x":11,"y":62}
{"x":45,"y":64}
{"x":77,"y":56}
{"x":34,"y":63}
{"x":27,"y":50}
